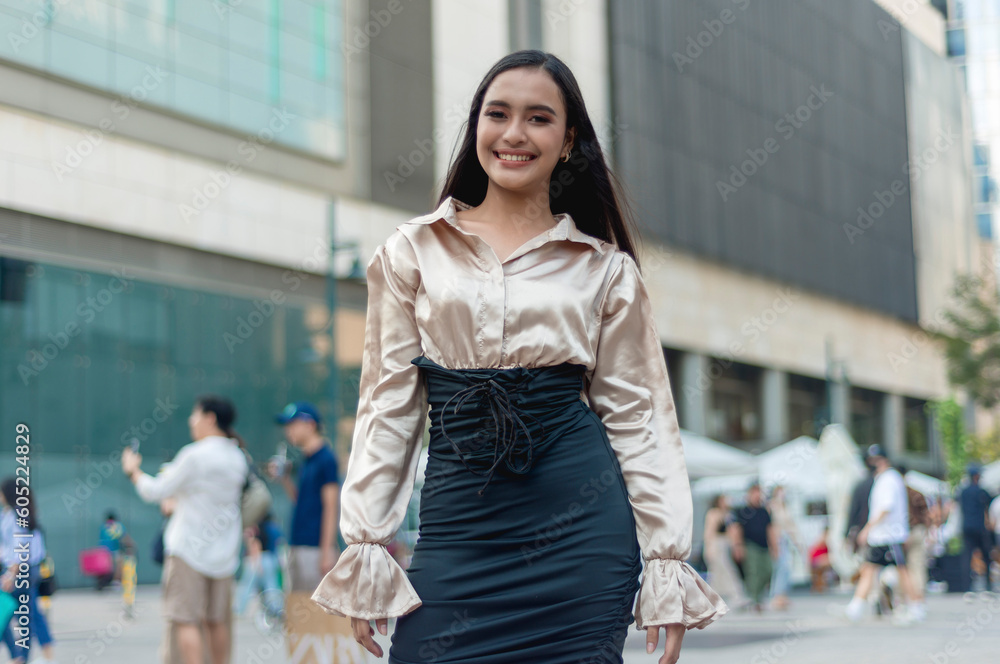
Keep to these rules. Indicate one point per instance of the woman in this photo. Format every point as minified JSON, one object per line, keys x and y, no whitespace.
{"x":722,"y":571}
{"x":788,"y":538}
{"x":12,"y":537}
{"x":555,"y":459}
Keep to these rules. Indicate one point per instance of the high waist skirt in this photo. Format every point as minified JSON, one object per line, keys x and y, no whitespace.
{"x":527,"y":548}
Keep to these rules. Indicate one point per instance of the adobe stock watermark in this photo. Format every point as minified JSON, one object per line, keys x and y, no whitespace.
{"x":121,"y":108}
{"x":780,"y":647}
{"x":590,"y":492}
{"x":968,"y":629}
{"x":786,"y":126}
{"x":886,"y":198}
{"x":751,"y":330}
{"x":899,"y":14}
{"x":37,"y":360}
{"x":697,"y":44}
{"x":563,"y":11}
{"x":33,"y":26}
{"x":264,"y":308}
{"x":407,"y":165}
{"x":361,"y":37}
{"x":219,"y":180}
{"x":100,"y":471}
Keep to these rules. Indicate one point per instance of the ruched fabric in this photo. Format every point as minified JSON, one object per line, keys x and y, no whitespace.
{"x":543,"y":565}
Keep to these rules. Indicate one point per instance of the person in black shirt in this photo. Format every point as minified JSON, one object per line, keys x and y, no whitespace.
{"x":975,"y":503}
{"x":754,"y":544}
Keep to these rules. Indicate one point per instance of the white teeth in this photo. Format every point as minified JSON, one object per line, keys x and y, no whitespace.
{"x":514,"y":157}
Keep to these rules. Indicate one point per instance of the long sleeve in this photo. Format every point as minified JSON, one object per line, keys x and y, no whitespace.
{"x":630,"y":391}
{"x":366,"y":581}
{"x":167,"y":482}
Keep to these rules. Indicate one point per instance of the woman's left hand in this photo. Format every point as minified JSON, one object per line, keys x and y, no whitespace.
{"x":131,"y":461}
{"x":671,"y":645}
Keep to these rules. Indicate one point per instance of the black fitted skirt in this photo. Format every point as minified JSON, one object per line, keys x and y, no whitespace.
{"x":527,"y":548}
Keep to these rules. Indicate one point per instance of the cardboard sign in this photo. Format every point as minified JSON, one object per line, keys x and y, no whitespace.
{"x":316,"y":637}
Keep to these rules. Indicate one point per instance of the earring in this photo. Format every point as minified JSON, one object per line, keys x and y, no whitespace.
{"x":566,"y":156}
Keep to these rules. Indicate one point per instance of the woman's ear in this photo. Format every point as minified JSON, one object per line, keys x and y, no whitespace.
{"x":570,"y":138}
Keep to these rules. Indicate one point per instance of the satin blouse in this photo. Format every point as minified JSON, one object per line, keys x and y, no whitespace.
{"x":437,"y":290}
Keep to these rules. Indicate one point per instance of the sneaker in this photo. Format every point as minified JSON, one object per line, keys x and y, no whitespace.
{"x":902,"y":617}
{"x":918,"y":612}
{"x":855,"y":610}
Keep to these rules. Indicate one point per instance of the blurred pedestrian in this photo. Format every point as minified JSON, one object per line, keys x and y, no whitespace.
{"x":857,"y":513}
{"x":916,"y":543}
{"x":884,"y":534}
{"x":974,"y":501}
{"x":722,"y":573}
{"x":312,"y":537}
{"x":114,"y":538}
{"x":18,"y":535}
{"x":819,"y":563}
{"x":755,"y":545}
{"x":787,"y":537}
{"x":261,"y":567}
{"x":202,"y":539}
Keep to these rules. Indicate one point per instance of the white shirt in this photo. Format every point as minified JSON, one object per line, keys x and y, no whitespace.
{"x":889,"y":495}
{"x":995,"y":514}
{"x":206,"y":478}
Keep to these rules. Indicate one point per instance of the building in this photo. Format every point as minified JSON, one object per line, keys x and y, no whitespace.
{"x":189,"y":192}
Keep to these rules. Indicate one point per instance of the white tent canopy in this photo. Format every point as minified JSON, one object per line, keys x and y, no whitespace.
{"x":931,"y":487}
{"x":796,"y":465}
{"x":990,"y":479}
{"x":710,"y":458}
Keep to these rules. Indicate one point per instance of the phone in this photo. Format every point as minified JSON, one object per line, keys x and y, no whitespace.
{"x":134,"y":445}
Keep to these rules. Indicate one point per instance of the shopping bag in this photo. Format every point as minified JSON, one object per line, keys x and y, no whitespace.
{"x":314,"y":636}
{"x":96,"y":562}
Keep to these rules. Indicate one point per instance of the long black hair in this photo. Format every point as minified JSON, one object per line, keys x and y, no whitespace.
{"x":225,"y":414}
{"x":9,"y":489}
{"x":593,"y":196}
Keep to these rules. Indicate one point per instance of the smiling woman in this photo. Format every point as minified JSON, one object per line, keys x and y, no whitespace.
{"x":517,"y":312}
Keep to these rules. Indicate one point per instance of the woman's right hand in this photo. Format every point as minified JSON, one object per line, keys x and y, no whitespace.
{"x":363,"y":633}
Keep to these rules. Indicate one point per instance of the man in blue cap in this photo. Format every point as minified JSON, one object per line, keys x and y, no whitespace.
{"x":975,"y":503}
{"x":312,"y":538}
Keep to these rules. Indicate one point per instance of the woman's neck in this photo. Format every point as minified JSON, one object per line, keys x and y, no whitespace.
{"x":520,"y":209}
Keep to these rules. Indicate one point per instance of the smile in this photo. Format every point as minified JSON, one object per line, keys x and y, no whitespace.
{"x":513,"y":157}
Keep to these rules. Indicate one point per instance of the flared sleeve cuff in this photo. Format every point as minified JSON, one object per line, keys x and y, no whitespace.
{"x":673,"y":592}
{"x":366,"y":583}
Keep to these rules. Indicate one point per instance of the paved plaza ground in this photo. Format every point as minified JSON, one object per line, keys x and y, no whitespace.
{"x":90,"y":629}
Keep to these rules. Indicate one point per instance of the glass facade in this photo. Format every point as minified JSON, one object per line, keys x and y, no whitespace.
{"x":979,"y":58}
{"x":232,"y":63}
{"x":90,"y":360}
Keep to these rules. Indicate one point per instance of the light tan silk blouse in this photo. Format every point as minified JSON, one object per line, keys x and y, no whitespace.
{"x":437,"y":290}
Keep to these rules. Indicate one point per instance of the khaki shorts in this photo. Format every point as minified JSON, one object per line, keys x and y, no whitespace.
{"x":303,"y":568}
{"x":189,"y":596}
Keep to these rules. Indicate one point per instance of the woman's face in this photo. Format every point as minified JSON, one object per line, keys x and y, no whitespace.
{"x":522,"y":130}
{"x":200,"y":423}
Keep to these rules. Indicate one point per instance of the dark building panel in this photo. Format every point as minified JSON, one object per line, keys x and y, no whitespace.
{"x":402,"y":105}
{"x":757,"y":130}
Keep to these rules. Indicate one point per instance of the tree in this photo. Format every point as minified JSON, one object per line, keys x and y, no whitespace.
{"x":972,"y":344}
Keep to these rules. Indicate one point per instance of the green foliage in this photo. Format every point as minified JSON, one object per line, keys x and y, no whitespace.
{"x":949,"y":420}
{"x":972,"y":342}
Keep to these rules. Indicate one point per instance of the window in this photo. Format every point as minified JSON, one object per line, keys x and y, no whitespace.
{"x":807,"y":408}
{"x":735,"y":413}
{"x":956,"y":42}
{"x":984,"y":224}
{"x":866,"y":416}
{"x":916,"y":426}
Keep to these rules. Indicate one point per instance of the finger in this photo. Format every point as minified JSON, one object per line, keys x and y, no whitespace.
{"x":363,"y":634}
{"x":383,"y":626}
{"x":672,"y":643}
{"x":652,"y":636}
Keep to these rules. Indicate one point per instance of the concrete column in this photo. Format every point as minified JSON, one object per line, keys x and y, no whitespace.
{"x":695,"y":386}
{"x":892,"y":425}
{"x":840,"y":404}
{"x":774,"y":404}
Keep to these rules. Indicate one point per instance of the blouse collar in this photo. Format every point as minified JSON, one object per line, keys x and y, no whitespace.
{"x":565,"y":228}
